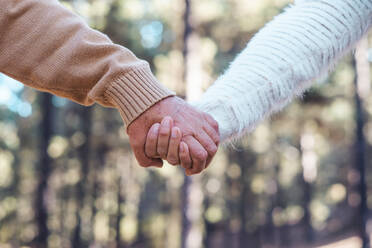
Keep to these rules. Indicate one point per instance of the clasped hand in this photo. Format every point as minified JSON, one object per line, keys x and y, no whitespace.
{"x":174,"y":131}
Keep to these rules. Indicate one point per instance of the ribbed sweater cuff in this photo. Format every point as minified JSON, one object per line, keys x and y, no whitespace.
{"x":135,"y":92}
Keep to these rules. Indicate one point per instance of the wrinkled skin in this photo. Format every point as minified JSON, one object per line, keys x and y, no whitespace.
{"x":194,"y":131}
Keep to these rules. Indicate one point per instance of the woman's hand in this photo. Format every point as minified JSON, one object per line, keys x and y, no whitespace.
{"x":164,"y":141}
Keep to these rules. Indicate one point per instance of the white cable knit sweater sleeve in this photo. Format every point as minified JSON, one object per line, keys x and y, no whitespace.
{"x":283,"y":59}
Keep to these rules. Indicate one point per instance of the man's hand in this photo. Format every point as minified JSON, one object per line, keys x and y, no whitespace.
{"x":199,"y":133}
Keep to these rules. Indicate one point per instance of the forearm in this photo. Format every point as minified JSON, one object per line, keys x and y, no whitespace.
{"x":283,"y":59}
{"x":49,"y":48}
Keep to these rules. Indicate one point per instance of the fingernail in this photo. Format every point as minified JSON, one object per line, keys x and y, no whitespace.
{"x":166,"y":121}
{"x":156,"y":127}
{"x":174,"y":133}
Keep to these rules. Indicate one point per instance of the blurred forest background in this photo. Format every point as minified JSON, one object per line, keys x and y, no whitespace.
{"x":68,"y":177}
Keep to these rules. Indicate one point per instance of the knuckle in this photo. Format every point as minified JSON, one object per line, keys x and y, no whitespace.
{"x":212,"y":149}
{"x":212,"y":121}
{"x":201,"y":155}
{"x":215,"y":135}
{"x":218,"y":139}
{"x":215,"y":125}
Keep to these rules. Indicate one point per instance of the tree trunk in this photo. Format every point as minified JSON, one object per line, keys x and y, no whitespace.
{"x":83,"y":153}
{"x":41,"y":211}
{"x":192,"y":197}
{"x":362,"y":81}
{"x":186,"y":225}
{"x":306,"y":181}
{"x":119,"y":213}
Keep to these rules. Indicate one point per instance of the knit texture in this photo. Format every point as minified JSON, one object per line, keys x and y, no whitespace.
{"x":282,"y":60}
{"x":132,"y":97}
{"x":47,"y":47}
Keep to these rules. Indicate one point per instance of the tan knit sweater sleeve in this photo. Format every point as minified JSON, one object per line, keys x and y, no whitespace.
{"x":47,"y":47}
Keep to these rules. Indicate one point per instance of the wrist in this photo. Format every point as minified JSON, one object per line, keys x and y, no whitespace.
{"x":135,"y":92}
{"x":167,"y":106}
